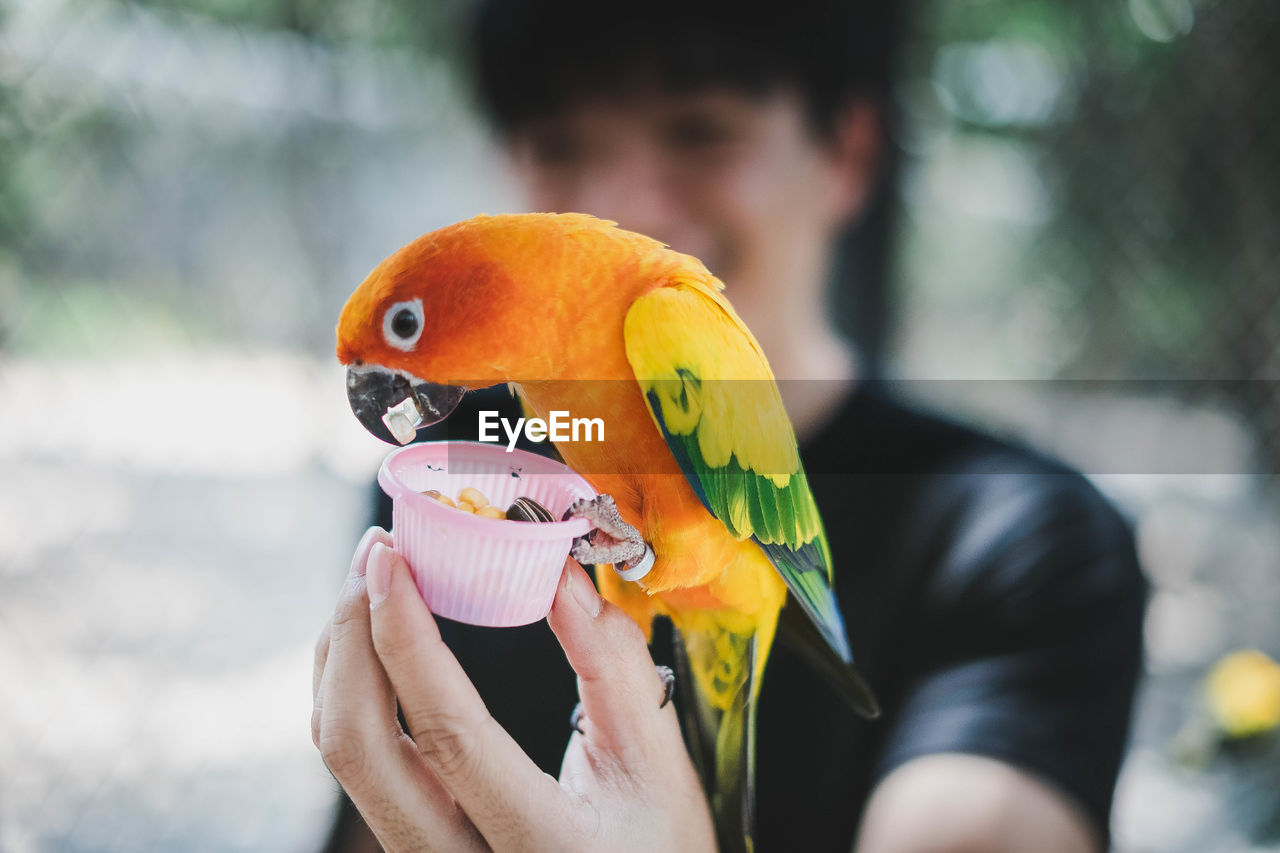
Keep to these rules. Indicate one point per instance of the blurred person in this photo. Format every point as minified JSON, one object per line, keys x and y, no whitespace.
{"x":993,"y":598}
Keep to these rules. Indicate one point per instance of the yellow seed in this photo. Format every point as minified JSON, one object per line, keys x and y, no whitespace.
{"x":491,"y":512}
{"x":473,"y":496}
{"x":467,"y":506}
{"x":444,"y":499}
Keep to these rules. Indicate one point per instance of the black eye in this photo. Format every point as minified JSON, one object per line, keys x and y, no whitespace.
{"x":404,"y":324}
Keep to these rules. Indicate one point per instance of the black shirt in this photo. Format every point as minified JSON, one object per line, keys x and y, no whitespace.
{"x":993,"y":600}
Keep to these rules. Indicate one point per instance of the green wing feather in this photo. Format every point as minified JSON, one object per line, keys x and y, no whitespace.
{"x":713,"y":397}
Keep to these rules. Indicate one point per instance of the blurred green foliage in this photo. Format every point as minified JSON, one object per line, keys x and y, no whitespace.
{"x":1148,"y":122}
{"x":1123,"y":198}
{"x":428,"y":26}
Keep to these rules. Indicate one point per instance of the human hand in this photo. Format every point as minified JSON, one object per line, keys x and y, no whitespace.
{"x":457,"y":781}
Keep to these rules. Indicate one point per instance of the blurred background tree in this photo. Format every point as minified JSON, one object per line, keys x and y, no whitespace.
{"x":1115,"y":187}
{"x":207,"y":171}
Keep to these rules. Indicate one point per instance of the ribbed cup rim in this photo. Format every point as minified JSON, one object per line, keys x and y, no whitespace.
{"x":498,"y":459}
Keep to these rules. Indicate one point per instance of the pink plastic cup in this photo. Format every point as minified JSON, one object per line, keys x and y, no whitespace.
{"x":482,"y":571}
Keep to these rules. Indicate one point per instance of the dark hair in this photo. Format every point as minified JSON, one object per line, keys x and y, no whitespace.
{"x":530,"y":56}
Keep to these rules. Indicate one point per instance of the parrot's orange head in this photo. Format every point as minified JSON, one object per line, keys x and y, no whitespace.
{"x":452,"y":311}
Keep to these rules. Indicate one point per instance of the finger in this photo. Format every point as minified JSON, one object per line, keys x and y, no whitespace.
{"x":360,"y":739}
{"x":358,"y":561}
{"x":342,"y":670}
{"x":620,"y":688}
{"x":322,"y":656}
{"x":511,"y":802}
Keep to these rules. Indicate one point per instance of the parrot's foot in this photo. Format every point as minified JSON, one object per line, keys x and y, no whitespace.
{"x":668,"y":684}
{"x":612,"y":541}
{"x":668,"y":690}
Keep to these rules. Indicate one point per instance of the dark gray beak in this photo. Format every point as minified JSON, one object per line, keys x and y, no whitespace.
{"x":394,"y":406}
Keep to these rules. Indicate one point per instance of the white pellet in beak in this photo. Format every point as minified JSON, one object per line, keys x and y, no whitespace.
{"x":403,"y":419}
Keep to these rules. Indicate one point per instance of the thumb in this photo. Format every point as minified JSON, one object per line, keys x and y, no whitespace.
{"x":618,"y":684}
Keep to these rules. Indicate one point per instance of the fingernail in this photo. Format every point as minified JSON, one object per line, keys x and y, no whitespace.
{"x":360,"y":558}
{"x":584,"y":591}
{"x":378,"y":577}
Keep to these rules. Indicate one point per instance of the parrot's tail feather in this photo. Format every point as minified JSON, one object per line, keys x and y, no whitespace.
{"x":797,"y":632}
{"x":696,"y":714}
{"x":720,"y":725}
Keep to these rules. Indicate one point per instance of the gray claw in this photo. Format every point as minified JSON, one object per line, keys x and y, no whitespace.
{"x":668,"y":684}
{"x":668,"y":690}
{"x":612,"y":540}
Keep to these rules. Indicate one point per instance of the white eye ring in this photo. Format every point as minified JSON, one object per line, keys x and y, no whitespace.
{"x":402,"y":343}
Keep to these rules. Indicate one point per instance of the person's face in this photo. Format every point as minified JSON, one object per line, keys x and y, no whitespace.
{"x":740,"y":181}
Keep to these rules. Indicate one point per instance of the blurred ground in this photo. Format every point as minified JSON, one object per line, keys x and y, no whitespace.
{"x":163,"y":583}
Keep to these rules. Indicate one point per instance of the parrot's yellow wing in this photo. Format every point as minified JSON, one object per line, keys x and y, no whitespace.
{"x":713,"y":397}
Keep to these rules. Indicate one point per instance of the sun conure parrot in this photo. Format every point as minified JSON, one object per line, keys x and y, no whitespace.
{"x":698,"y":457}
